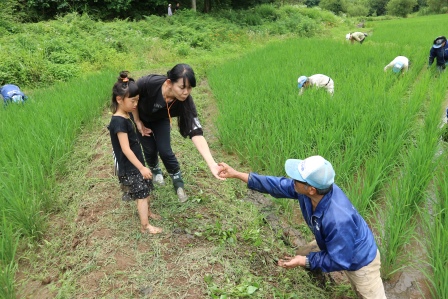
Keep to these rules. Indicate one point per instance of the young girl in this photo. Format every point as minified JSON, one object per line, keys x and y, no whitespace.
{"x":132,"y":173}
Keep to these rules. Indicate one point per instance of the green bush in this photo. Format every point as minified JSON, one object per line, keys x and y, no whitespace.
{"x":400,"y":8}
{"x":253,"y":20}
{"x":267,"y":12}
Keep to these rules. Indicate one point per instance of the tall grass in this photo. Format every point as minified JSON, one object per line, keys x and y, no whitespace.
{"x":39,"y":135}
{"x":8,"y":265}
{"x":435,"y":224}
{"x":409,"y":192}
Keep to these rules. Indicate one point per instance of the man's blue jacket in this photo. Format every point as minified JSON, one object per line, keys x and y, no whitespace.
{"x":441,"y":55}
{"x":345,"y":240}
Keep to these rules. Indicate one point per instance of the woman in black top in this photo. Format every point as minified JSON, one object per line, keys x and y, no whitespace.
{"x":161,"y":99}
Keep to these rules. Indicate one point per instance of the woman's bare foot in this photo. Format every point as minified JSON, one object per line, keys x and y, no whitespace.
{"x":151,"y":229}
{"x":154,"y":216}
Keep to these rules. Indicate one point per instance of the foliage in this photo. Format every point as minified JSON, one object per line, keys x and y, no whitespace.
{"x":37,"y":10}
{"x":358,"y":8}
{"x":400,"y":8}
{"x":336,"y":6}
{"x":378,"y":7}
{"x":311,"y":3}
{"x":437,"y":5}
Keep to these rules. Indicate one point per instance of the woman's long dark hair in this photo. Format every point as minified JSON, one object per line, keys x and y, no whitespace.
{"x":185,"y":121}
{"x":124,"y":87}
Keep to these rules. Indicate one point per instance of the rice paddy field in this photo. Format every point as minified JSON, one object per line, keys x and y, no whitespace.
{"x":380,"y":130}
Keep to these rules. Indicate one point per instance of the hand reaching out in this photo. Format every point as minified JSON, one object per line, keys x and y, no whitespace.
{"x":226,"y":171}
{"x":216,"y":170}
{"x":292,"y":262}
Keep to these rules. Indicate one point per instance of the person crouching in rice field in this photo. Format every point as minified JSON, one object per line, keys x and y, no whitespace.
{"x":356,"y":36}
{"x":318,"y":80}
{"x":134,"y":177}
{"x":400,"y":63}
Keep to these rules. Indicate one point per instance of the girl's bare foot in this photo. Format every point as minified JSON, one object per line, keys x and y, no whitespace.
{"x":151,"y":229}
{"x":154,"y":216}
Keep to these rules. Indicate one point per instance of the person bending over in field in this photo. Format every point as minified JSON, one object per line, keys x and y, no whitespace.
{"x":356,"y":36}
{"x":161,"y":99}
{"x":398,"y":64}
{"x":134,"y":177}
{"x":344,"y":240}
{"x":12,"y":94}
{"x":318,"y":80}
{"x":439,"y":51}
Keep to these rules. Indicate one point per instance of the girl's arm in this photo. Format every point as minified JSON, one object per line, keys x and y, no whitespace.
{"x":202,"y":147}
{"x":124,"y":144}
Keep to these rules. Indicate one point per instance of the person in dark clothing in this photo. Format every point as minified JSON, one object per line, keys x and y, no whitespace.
{"x":133,"y":176}
{"x":344,"y":240}
{"x":439,"y":51}
{"x":176,"y":8}
{"x":161,"y":99}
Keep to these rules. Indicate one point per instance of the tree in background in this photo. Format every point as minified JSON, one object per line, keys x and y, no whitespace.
{"x":8,"y":15}
{"x":437,"y":6}
{"x":378,"y":7}
{"x":336,"y":6}
{"x":357,"y":8}
{"x":420,"y":4}
{"x":311,"y":3}
{"x":400,"y":8}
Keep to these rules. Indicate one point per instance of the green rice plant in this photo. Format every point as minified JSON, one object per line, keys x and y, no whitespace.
{"x":8,"y":265}
{"x":409,"y":193}
{"x":8,"y":242}
{"x":31,"y":163}
{"x":423,"y":29}
{"x":298,"y":126}
{"x":7,"y":272}
{"x":436,"y":239}
{"x":396,"y":231}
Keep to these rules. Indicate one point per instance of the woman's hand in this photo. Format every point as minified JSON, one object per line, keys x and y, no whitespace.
{"x":216,"y":170}
{"x":142,"y":129}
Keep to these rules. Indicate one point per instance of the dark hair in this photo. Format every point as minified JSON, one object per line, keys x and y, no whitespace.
{"x":183,"y":71}
{"x":124,"y":87}
{"x":324,"y":191}
{"x":187,"y":113}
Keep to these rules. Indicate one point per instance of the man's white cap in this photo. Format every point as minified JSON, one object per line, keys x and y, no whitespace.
{"x":314,"y":170}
